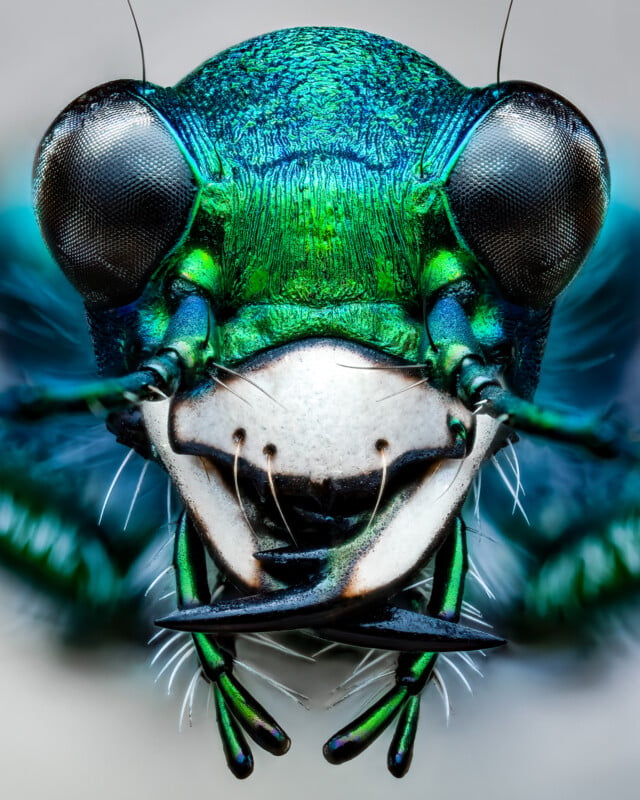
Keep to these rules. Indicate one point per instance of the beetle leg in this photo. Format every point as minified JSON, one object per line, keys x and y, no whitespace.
{"x":183,"y":351}
{"x":156,"y":378}
{"x":57,"y":548}
{"x":236,"y":708}
{"x":480,"y":388}
{"x":401,"y":748}
{"x":413,"y":672}
{"x":236,"y":750}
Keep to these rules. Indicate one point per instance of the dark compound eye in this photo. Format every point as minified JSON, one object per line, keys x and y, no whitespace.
{"x":528,"y":193}
{"x":113,"y":194}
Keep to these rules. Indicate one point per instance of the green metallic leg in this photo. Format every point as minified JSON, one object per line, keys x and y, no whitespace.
{"x":236,"y":709}
{"x":401,"y":747}
{"x":236,"y":749}
{"x":413,"y":672}
{"x":59,"y":550}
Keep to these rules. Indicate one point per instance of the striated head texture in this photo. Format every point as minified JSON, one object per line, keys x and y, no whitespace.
{"x":317,"y":139}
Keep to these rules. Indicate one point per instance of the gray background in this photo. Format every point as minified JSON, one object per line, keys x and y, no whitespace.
{"x":94,"y":725}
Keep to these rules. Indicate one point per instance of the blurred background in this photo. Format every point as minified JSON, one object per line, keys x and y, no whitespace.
{"x":544,"y":722}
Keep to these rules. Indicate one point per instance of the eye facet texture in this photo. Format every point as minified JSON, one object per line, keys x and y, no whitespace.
{"x":528,"y":193}
{"x":113,"y":194}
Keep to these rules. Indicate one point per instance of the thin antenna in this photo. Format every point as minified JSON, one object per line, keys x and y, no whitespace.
{"x":144,"y":66}
{"x":504,"y":32}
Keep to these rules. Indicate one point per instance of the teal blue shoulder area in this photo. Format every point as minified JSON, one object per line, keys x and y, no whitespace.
{"x":334,"y":90}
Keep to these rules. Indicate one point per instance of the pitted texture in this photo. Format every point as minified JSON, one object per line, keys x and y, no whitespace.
{"x":331,"y":90}
{"x":113,"y":194}
{"x":528,"y":194}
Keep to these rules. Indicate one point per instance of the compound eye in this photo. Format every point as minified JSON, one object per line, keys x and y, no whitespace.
{"x":113,"y":194}
{"x":528,"y":193}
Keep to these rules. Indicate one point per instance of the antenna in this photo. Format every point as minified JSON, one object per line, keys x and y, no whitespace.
{"x":144,"y":66}
{"x":504,"y":31}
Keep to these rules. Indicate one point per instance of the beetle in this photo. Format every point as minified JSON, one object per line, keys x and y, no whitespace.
{"x":315,"y":596}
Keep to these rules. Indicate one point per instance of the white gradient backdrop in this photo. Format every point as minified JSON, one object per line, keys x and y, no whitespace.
{"x":93,"y":725}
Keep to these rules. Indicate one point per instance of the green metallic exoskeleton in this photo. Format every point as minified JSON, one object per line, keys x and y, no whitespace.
{"x":319,"y":275}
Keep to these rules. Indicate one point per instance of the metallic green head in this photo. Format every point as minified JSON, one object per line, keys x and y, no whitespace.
{"x":345,"y":253}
